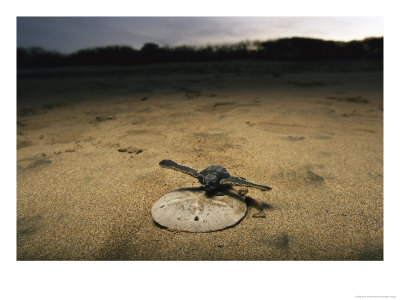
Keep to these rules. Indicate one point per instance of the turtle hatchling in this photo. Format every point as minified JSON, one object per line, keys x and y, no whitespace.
{"x":212,"y":177}
{"x":198,"y":209}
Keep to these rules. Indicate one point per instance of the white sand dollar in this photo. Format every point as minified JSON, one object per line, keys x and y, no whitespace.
{"x":190,"y":209}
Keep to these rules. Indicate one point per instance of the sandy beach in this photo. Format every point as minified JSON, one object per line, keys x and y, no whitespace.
{"x":89,"y":141}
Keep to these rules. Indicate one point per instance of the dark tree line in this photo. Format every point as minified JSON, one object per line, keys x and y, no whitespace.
{"x":287,"y":49}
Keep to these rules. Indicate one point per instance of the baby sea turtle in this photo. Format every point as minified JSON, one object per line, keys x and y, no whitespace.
{"x":212,"y":177}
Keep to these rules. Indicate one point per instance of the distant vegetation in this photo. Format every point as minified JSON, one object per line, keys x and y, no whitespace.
{"x":287,"y":49}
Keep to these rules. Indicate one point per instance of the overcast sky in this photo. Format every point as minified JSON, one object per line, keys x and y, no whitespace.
{"x":68,"y":34}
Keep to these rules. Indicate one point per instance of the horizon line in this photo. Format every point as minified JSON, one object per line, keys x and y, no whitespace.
{"x":200,"y":46}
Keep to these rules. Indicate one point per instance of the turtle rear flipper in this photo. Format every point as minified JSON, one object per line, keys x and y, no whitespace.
{"x":169,"y":164}
{"x":241,"y":182}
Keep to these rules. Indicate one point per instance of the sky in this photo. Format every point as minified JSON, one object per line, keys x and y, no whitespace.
{"x":68,"y":34}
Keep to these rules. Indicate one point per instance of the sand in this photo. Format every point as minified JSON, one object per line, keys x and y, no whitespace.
{"x":89,"y":143}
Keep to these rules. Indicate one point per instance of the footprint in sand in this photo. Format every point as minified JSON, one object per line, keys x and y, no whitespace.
{"x":302,"y":175}
{"x":313,"y":178}
{"x":219,"y":104}
{"x":31,"y":163}
{"x":23,"y":144}
{"x":280,"y":241}
{"x":130,"y":149}
{"x":294,"y":138}
{"x":27,"y":226}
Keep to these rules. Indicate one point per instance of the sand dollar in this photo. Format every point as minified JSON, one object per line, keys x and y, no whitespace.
{"x":190,"y":209}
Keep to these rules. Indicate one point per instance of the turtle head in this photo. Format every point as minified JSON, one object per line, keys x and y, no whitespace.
{"x":210,"y":182}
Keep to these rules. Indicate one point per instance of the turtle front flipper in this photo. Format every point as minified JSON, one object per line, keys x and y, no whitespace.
{"x":169,"y":164}
{"x":241,"y":182}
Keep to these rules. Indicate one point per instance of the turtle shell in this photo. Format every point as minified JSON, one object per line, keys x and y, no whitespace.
{"x":191,"y":209}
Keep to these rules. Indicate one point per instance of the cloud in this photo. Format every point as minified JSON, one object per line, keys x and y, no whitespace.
{"x":67,"y":34}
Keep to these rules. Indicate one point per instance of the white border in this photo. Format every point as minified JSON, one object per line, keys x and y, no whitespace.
{"x":195,"y":280}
